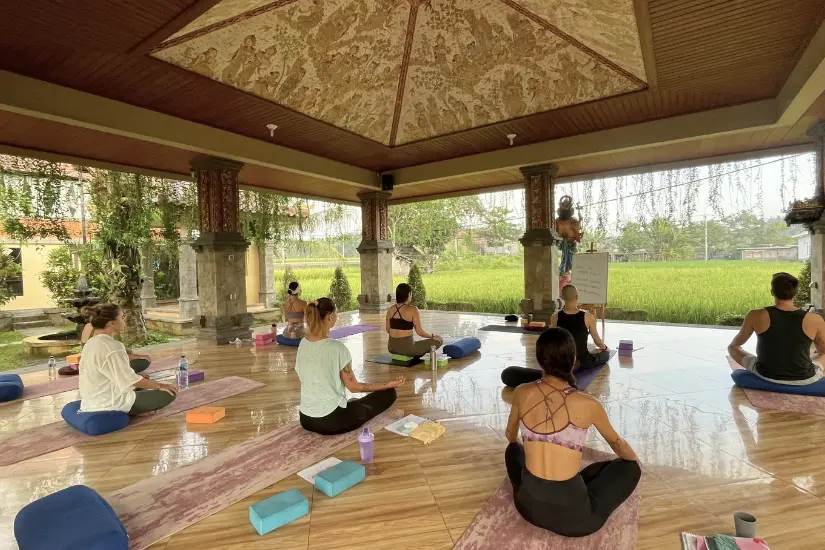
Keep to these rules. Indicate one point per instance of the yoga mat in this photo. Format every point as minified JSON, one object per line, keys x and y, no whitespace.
{"x":59,"y":435}
{"x":516,"y":329}
{"x":499,"y":525}
{"x":806,"y":404}
{"x":69,"y":383}
{"x":387,"y":360}
{"x":343,"y":332}
{"x":160,"y":506}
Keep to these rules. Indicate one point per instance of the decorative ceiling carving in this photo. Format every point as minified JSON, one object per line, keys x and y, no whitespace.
{"x":398,"y":71}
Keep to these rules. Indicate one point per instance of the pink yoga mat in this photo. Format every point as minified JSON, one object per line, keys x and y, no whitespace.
{"x":59,"y":435}
{"x":160,"y":506}
{"x":70,"y":383}
{"x":343,"y":332}
{"x":807,"y":404}
{"x":499,"y":525}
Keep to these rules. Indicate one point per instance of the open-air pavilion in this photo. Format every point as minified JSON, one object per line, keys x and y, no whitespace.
{"x":382,"y":102}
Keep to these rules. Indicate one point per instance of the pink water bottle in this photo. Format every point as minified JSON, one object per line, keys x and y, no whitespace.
{"x":365,"y":441}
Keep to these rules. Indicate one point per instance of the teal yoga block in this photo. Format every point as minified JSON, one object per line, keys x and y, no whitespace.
{"x":334,"y":481}
{"x":278,"y":510}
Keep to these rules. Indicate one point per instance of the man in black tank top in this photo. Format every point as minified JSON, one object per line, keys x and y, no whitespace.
{"x":580,"y":324}
{"x":784,"y":334}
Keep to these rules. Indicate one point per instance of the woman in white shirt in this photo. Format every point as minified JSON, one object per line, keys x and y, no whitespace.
{"x":324,"y":367}
{"x":107,"y":382}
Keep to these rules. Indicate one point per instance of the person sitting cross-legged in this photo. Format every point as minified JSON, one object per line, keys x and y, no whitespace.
{"x":784,"y":334}
{"x":577,"y":322}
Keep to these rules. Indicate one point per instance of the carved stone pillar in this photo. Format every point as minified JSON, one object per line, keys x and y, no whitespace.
{"x":817,"y":132}
{"x":220,"y":248}
{"x":376,"y":253}
{"x":266,"y":275}
{"x":147,"y":291}
{"x":188,"y":275}
{"x":541,"y":270}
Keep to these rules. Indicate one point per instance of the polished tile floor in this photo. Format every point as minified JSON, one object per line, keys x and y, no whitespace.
{"x":705,"y":450}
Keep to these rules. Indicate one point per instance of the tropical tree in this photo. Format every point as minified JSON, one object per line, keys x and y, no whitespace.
{"x":339,"y":290}
{"x":9,"y":271}
{"x":498,"y":228}
{"x":416,"y":282}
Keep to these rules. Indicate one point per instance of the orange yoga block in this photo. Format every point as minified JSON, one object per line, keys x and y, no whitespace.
{"x":73,"y":359}
{"x":536,"y":325}
{"x":205,"y":415}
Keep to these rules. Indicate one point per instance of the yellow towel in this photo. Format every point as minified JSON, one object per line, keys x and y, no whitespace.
{"x":428,"y":432}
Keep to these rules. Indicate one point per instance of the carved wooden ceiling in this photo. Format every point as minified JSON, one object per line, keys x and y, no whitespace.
{"x":398,"y":71}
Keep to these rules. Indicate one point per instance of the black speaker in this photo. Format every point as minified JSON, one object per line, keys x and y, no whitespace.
{"x":387,"y":182}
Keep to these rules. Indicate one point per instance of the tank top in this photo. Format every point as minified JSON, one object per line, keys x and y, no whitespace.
{"x":575,"y":324}
{"x":783,"y":352}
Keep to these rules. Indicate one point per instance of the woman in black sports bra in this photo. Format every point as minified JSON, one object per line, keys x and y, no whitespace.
{"x":402,"y":320}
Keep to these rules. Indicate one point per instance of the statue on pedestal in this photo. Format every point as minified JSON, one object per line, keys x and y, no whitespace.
{"x":569,"y":229}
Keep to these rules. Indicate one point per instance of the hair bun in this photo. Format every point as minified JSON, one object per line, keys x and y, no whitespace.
{"x":90,"y":311}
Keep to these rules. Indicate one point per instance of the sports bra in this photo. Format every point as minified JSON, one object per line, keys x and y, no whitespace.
{"x":570,"y":436}
{"x":399,"y":323}
{"x":296,"y":315}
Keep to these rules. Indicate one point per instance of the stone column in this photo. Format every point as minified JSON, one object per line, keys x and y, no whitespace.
{"x":266,"y":274}
{"x":188,"y":274}
{"x":376,"y":253}
{"x":220,"y":248}
{"x":540,"y":240}
{"x":147,"y":291}
{"x":817,"y":132}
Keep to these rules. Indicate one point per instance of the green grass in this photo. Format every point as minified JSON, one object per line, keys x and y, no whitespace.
{"x":676,"y":292}
{"x":10,"y":337}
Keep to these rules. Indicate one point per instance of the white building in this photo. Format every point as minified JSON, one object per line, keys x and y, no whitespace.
{"x":803,"y":244}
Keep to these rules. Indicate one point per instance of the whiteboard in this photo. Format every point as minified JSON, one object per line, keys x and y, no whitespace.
{"x":590,"y":277}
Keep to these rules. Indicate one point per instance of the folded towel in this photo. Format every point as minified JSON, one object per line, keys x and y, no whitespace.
{"x":428,"y":432}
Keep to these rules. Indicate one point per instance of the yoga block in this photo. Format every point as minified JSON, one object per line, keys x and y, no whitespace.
{"x":196,"y":376}
{"x":440,"y":363}
{"x":73,"y":359}
{"x":264,"y":338}
{"x":75,"y":518}
{"x":284,"y":341}
{"x":93,"y":423}
{"x":749,"y":380}
{"x":334,"y":481}
{"x":625,"y":352}
{"x":278,"y":510}
{"x":536,"y":325}
{"x":205,"y":415}
{"x":11,"y":387}
{"x":626,"y":344}
{"x":462,"y":348}
{"x":402,"y":358}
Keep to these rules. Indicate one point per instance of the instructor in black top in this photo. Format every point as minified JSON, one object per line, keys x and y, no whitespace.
{"x":784,"y":334}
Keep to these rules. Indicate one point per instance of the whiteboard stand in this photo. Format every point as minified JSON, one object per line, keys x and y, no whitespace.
{"x":590,"y":277}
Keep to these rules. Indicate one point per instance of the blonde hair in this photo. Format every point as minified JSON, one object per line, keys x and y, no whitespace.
{"x":569,"y":292}
{"x":101,"y":315}
{"x":317,"y":311}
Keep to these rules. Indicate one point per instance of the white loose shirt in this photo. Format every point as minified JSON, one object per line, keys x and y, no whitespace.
{"x":319,"y":365}
{"x":107,"y":382}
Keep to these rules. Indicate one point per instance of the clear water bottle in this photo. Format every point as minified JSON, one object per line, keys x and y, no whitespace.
{"x":183,"y":373}
{"x":52,"y":368}
{"x":433,"y":358}
{"x":365,"y":442}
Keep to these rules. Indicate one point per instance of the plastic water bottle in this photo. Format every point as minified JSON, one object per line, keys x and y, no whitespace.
{"x":433,"y":358}
{"x":52,"y":368}
{"x":366,"y":444}
{"x":183,"y":373}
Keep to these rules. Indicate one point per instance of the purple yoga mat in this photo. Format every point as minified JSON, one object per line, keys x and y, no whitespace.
{"x":59,"y":435}
{"x":343,"y":332}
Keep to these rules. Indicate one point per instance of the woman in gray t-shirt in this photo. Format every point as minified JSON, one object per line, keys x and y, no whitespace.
{"x":324,"y":367}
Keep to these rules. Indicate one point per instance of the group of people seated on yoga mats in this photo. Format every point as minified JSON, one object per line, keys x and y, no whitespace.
{"x":108,"y":381}
{"x":784,"y":335}
{"x":402,"y":320}
{"x":581,"y":325}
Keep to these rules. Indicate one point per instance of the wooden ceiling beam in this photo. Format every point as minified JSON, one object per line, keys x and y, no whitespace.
{"x":183,"y":19}
{"x":646,"y":40}
{"x":35,"y":98}
{"x":805,"y":83}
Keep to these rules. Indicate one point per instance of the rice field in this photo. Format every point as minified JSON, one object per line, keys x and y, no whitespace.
{"x":675,"y":292}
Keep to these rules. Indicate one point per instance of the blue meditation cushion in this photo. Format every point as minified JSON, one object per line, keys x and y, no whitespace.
{"x":749,"y":380}
{"x":284,"y":341}
{"x":334,"y":481}
{"x":278,"y":510}
{"x":93,"y":423}
{"x":76,"y":518}
{"x":462,"y":348}
{"x":11,"y":387}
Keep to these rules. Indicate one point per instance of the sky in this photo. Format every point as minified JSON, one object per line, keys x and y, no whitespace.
{"x":780,"y":179}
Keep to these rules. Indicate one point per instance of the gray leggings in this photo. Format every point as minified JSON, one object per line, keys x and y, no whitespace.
{"x":150,"y":400}
{"x":409,"y":347}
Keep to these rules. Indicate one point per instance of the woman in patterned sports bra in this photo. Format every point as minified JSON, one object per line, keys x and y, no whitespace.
{"x":294,"y":309}
{"x":554,"y":417}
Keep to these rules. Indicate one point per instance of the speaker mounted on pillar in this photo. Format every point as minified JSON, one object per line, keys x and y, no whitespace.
{"x":387,"y":182}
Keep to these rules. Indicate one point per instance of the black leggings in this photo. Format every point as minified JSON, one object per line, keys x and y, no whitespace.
{"x":515,"y":376}
{"x":577,"y":507}
{"x":357,"y":413}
